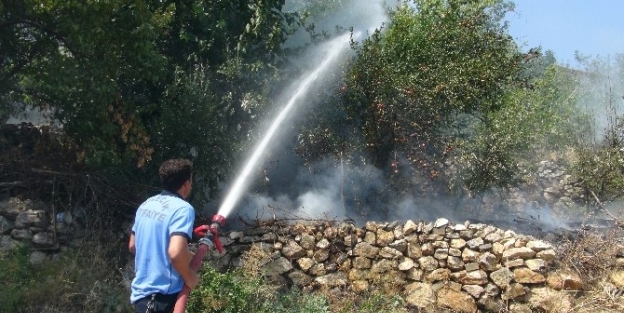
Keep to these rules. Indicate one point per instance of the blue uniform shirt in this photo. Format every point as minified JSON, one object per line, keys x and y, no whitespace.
{"x":156,"y":220}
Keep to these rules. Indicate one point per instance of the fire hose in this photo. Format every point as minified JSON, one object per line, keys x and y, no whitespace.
{"x":210,"y":239}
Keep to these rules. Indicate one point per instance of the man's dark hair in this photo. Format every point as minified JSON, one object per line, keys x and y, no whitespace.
{"x":173,"y":173}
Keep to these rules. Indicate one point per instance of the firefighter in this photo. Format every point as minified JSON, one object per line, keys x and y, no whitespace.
{"x":163,"y":227}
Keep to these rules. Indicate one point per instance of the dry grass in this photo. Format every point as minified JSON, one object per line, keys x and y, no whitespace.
{"x":592,"y":256}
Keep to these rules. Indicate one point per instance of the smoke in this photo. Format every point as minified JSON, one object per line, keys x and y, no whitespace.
{"x":601,"y":90}
{"x":329,"y":16}
{"x":283,"y":186}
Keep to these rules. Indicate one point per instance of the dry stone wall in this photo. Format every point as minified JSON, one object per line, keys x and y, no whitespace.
{"x":464,"y":267}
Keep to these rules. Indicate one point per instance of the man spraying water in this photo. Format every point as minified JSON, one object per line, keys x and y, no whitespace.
{"x":159,"y":240}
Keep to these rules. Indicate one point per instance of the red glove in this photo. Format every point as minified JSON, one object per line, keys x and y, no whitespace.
{"x":201,"y":231}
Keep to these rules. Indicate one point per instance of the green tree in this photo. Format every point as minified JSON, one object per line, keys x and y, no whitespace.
{"x":532,"y":124}
{"x":411,"y":86}
{"x":122,"y":76}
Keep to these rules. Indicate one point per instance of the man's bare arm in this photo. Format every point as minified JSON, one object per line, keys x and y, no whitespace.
{"x":131,"y":244}
{"x":181,"y":260}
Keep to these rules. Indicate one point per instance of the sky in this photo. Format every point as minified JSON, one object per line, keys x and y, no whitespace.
{"x":593,"y":27}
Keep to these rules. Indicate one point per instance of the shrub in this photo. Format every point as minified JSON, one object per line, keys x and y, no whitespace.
{"x":84,"y":280}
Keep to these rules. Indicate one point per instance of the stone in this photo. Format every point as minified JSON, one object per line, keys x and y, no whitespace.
{"x":279,"y":266}
{"x":485,"y":247}
{"x":428,"y":249}
{"x":338,"y":279}
{"x":538,"y":245}
{"x":547,"y":255}
{"x":406,"y":264}
{"x":466,"y":234}
{"x":469,"y":255}
{"x":441,"y":254}
{"x":486,"y":231}
{"x":370,"y":226}
{"x":305,"y":263}
{"x":390,"y":253}
{"x":518,"y":253}
{"x":494,"y":237}
{"x":426,"y":228}
{"x":455,"y":263}
{"x":502,"y":277}
{"x":6,"y":225}
{"x":383,"y":266}
{"x":455,"y":252}
{"x":456,"y":300}
{"x":474,"y":243}
{"x":514,"y":291}
{"x":508,"y":242}
{"x":21,"y":234}
{"x":441,"y":222}
{"x":362,"y":262}
{"x":415,"y":274}
{"x":549,"y":300}
{"x":392,"y":277}
{"x":491,"y":290}
{"x":488,"y":262}
{"x":330,"y":233}
{"x":37,"y":257}
{"x":370,"y":237}
{"x":491,"y":304}
{"x":524,"y":275}
{"x":536,"y":265}
{"x":32,"y":218}
{"x":409,"y":228}
{"x":398,"y":233}
{"x":308,"y":242}
{"x":564,"y":280}
{"x":268,"y":237}
{"x":472,"y":266}
{"x":384,"y":237}
{"x":14,"y":206}
{"x":249,"y":239}
{"x":420,"y":295}
{"x":317,"y":270}
{"x":428,"y":263}
{"x":458,"y":243}
{"x":498,"y":249}
{"x":470,"y":278}
{"x":414,"y":250}
{"x":474,"y":290}
{"x":323,"y":244}
{"x":514,"y":263}
{"x":299,"y":278}
{"x":320,"y":255}
{"x":43,"y":240}
{"x":440,"y":274}
{"x":293,"y":250}
{"x":458,"y":227}
{"x":400,"y":245}
{"x":365,"y":249}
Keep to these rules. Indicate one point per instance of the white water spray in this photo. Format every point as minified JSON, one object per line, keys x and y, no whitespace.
{"x":333,"y":48}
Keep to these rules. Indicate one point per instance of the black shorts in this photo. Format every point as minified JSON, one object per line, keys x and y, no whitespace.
{"x":162,"y":303}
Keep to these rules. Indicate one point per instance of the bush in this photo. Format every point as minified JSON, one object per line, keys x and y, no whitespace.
{"x":79,"y":281}
{"x":223,"y":292}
